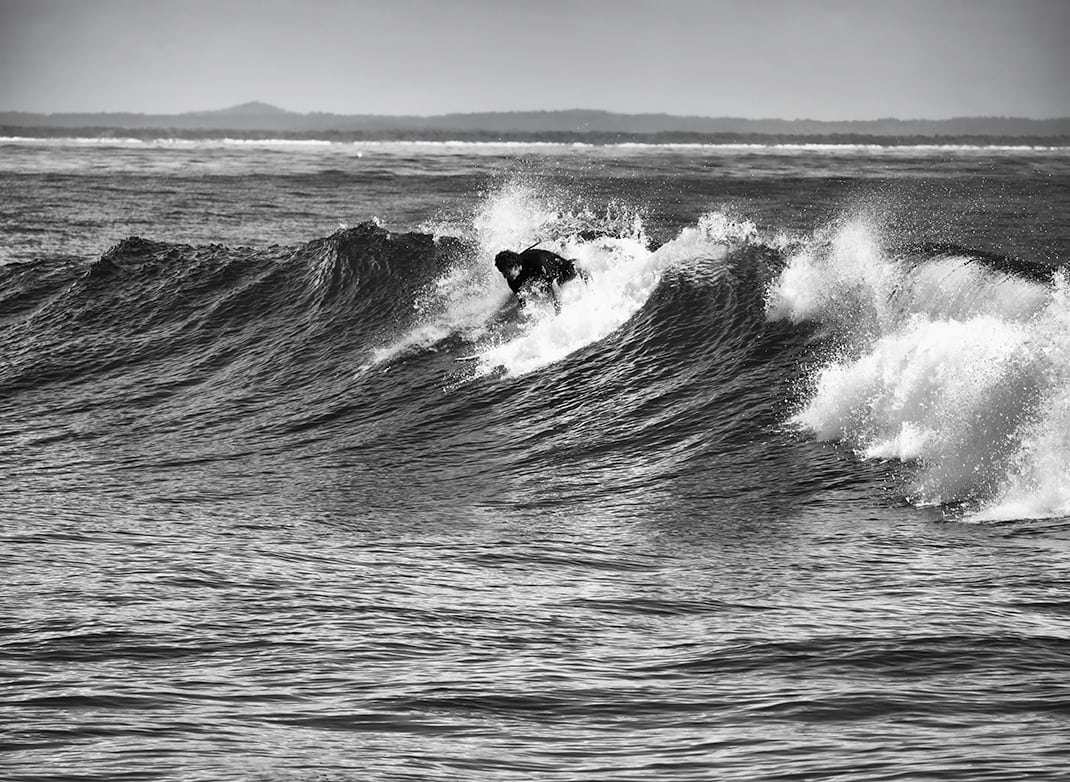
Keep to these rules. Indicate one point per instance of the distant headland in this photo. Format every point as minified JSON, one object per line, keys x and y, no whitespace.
{"x":262,"y":120}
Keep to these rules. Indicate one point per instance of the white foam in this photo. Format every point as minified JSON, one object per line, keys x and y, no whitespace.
{"x":843,"y":279}
{"x":467,"y":296}
{"x":945,"y":392}
{"x":1038,"y":482}
{"x":623,"y":274}
{"x":963,"y":370}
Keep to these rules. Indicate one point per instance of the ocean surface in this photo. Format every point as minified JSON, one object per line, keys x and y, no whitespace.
{"x":292,"y":489}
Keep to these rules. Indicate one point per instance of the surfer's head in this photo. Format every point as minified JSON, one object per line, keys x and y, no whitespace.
{"x":508,"y":263}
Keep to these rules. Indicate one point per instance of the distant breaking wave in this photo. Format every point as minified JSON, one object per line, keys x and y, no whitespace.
{"x":756,"y":143}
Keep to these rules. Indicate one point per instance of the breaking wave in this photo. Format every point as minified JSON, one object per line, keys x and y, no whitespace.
{"x":696,"y":351}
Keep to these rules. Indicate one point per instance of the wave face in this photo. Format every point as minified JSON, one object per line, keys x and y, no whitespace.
{"x":409,"y":348}
{"x":948,"y":361}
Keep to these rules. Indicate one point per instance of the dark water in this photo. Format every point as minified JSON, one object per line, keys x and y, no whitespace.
{"x":783,"y":493}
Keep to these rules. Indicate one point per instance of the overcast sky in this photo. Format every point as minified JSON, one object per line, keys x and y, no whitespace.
{"x":822,"y":59}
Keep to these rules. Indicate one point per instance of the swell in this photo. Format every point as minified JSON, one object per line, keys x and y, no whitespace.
{"x":164,"y":359}
{"x":204,"y":308}
{"x":168,"y":373}
{"x":671,"y":374}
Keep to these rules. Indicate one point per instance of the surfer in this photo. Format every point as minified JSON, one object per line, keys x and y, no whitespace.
{"x":537,"y":271}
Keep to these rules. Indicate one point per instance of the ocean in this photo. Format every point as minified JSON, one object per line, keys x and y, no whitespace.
{"x":294,"y":489}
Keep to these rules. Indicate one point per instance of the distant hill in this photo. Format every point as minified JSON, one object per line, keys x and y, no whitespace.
{"x":258,"y":118}
{"x":252,"y":109}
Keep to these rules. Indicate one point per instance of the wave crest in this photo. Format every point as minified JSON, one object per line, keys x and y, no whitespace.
{"x":948,"y":360}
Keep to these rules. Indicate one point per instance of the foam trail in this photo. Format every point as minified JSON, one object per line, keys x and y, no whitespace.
{"x":623,"y":275}
{"x":611,"y":245}
{"x":467,"y":298}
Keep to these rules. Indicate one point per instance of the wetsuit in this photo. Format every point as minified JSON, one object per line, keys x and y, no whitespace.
{"x":535,"y":270}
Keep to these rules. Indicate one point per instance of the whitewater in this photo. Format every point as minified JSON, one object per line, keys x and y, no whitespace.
{"x":295,"y":488}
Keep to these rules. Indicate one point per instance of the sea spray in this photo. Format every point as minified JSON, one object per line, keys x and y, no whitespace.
{"x":950,"y":394}
{"x":940,"y":361}
{"x":1038,"y":482}
{"x":840,"y":278}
